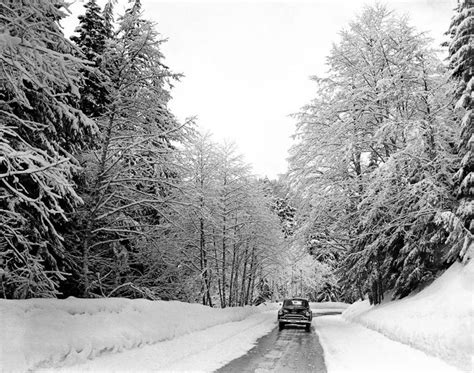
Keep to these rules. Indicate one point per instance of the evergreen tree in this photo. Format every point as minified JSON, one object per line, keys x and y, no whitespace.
{"x":108,"y":15}
{"x":91,"y":39}
{"x":461,"y":51}
{"x":126,"y":180}
{"x":40,"y":130}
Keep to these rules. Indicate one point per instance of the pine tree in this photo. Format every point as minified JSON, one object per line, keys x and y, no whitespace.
{"x":91,"y":39}
{"x":40,"y":130}
{"x":127,"y":178}
{"x":461,"y":51}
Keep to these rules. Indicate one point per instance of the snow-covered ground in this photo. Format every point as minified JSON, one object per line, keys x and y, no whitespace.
{"x":40,"y":333}
{"x":120,"y":334}
{"x":438,"y":320}
{"x":327,"y":307}
{"x":138,"y":335}
{"x":201,"y":351}
{"x":352,"y":348}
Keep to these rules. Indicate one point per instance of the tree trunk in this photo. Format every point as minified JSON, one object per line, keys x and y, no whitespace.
{"x":205,"y":289}
{"x":96,"y":200}
{"x":244,"y":274}
{"x":249,"y":295}
{"x":219,"y":284}
{"x":85,"y":261}
{"x":224,"y":260}
{"x":233,"y":273}
{"x":235,"y":297}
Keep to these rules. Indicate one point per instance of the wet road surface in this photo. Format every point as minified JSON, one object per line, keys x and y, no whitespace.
{"x":289,"y":350}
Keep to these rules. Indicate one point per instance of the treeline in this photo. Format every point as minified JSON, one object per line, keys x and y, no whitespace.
{"x":230,"y":229}
{"x":102,"y":191}
{"x":382,"y":166}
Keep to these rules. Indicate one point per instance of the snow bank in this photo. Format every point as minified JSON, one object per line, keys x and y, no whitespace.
{"x":328,"y":307}
{"x":200,"y":351}
{"x":352,"y":348}
{"x":269,"y":306}
{"x":39,"y":333}
{"x":438,"y":320}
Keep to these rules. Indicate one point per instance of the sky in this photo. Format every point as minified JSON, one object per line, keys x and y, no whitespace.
{"x":247,"y":64}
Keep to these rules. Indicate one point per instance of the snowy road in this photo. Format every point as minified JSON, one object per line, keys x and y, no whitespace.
{"x":290,"y":350}
{"x":348,"y":348}
{"x":255,"y":345}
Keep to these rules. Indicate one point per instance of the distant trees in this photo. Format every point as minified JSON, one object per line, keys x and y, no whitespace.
{"x":374,"y":159}
{"x":277,"y":190}
{"x":231,"y":237}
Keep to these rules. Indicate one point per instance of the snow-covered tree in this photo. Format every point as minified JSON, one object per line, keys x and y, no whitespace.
{"x":373,"y":161}
{"x":262,"y":247}
{"x":303,"y":275}
{"x":40,"y":130}
{"x":200,"y":164}
{"x":278,"y":192}
{"x":92,"y":34}
{"x":230,"y":236}
{"x":127,"y":179}
{"x":461,"y":51}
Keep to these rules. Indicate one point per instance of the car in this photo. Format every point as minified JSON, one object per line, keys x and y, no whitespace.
{"x":295,"y":311}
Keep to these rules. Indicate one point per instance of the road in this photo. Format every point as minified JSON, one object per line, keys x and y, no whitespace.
{"x":289,"y":350}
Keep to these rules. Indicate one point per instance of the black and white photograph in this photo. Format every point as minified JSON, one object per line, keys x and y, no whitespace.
{"x":237,"y":186}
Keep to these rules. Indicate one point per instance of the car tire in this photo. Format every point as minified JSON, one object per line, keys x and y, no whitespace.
{"x":307,"y":327}
{"x":281,"y":325}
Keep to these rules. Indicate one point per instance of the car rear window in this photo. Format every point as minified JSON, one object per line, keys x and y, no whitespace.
{"x":295,"y":302}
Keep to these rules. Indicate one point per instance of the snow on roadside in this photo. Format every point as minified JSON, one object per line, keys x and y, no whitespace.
{"x":201,"y":351}
{"x":352,"y":348}
{"x":326,"y":307}
{"x":329,"y":305}
{"x":439,"y":320}
{"x":41,"y":333}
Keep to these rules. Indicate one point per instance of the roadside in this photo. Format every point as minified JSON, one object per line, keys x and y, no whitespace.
{"x":352,"y":348}
{"x":204,"y":341}
{"x":50,"y":333}
{"x":438,"y":320}
{"x":201,"y":351}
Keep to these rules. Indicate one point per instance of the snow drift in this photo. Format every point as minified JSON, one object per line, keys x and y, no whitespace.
{"x":328,"y":307}
{"x":40,"y":333}
{"x":438,"y":320}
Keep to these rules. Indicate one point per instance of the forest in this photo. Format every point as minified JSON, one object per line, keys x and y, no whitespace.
{"x":105,"y":193}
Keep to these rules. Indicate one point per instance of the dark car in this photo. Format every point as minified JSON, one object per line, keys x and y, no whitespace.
{"x":295,"y":311}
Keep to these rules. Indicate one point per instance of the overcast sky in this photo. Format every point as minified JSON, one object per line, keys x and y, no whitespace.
{"x":247,"y":63}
